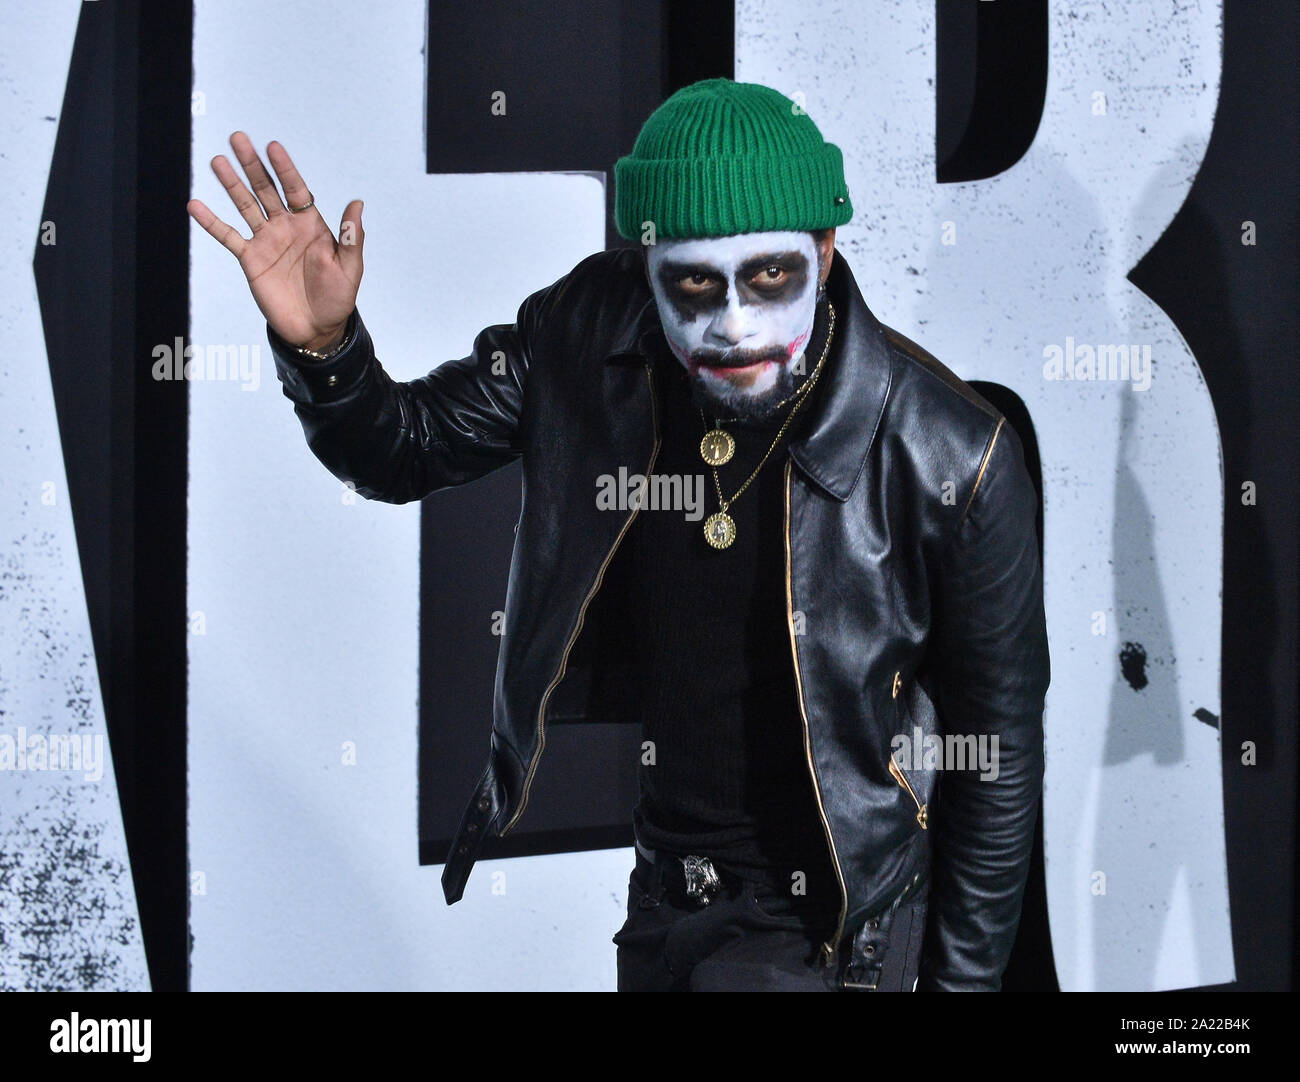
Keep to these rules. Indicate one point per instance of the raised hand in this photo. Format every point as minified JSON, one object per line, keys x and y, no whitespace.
{"x":304,"y":281}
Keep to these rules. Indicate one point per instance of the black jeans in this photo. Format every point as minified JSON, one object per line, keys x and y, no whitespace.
{"x":753,"y":937}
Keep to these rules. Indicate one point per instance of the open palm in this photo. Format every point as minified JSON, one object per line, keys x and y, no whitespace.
{"x":304,"y":281}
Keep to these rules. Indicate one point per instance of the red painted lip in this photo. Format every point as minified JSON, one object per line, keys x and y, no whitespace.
{"x":736,"y":367}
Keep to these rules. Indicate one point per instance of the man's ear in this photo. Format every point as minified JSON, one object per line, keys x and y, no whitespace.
{"x":825,"y":252}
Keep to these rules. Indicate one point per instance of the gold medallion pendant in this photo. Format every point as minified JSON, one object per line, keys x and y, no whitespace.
{"x":717,"y":447}
{"x":719,"y":529}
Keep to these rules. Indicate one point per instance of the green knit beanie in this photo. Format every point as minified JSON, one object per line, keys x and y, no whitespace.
{"x":721,"y":157}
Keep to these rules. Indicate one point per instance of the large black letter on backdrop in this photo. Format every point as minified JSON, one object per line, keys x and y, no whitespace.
{"x":571,"y":82}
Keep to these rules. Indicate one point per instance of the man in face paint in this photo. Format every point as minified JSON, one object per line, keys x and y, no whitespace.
{"x":737,"y":312}
{"x":738,"y":881}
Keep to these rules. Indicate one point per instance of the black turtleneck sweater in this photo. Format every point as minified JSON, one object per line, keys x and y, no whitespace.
{"x":717,"y":697}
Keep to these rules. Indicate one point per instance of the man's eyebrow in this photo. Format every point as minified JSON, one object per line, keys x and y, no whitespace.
{"x":794,"y":259}
{"x":678,"y":268}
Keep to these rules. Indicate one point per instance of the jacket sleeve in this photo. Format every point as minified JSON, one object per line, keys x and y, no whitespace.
{"x":399,"y":441}
{"x":993,"y":675}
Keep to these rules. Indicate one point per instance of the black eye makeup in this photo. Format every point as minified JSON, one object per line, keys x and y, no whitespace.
{"x":775,"y":278}
{"x":698,"y":283}
{"x":775,"y":267}
{"x":694,"y":287}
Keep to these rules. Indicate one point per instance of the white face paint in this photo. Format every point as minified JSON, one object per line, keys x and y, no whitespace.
{"x":737,"y":312}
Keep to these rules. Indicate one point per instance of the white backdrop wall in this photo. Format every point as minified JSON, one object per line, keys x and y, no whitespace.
{"x":308,"y":868}
{"x":988,"y":275}
{"x":308,"y":602}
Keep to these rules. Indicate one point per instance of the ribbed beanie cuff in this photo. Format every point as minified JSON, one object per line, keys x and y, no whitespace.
{"x":721,"y":157}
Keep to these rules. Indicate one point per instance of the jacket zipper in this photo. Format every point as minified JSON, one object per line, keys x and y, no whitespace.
{"x":829,"y":948}
{"x":921,"y":815}
{"x":582,"y":615}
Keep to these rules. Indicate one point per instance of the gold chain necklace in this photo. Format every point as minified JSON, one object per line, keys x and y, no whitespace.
{"x":718,"y":446}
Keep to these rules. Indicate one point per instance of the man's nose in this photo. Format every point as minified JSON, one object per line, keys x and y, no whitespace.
{"x":729,"y":325}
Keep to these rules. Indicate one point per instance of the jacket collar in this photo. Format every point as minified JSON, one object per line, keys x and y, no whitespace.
{"x":631,"y":340}
{"x":834,"y":445}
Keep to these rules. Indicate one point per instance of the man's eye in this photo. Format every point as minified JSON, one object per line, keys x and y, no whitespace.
{"x":773,"y":275}
{"x":696,"y":283}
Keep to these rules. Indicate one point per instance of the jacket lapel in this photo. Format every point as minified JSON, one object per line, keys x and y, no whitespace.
{"x":833,"y":447}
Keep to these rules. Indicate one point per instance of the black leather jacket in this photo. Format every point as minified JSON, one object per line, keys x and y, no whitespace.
{"x":913,"y":586}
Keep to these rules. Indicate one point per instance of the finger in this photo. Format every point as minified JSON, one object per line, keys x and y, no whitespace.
{"x":295,"y":188}
{"x":263,"y":186}
{"x":228,"y":235}
{"x":351,"y":238}
{"x":243,"y":199}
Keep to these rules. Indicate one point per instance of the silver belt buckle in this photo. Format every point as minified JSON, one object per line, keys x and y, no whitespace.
{"x":702,"y":881}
